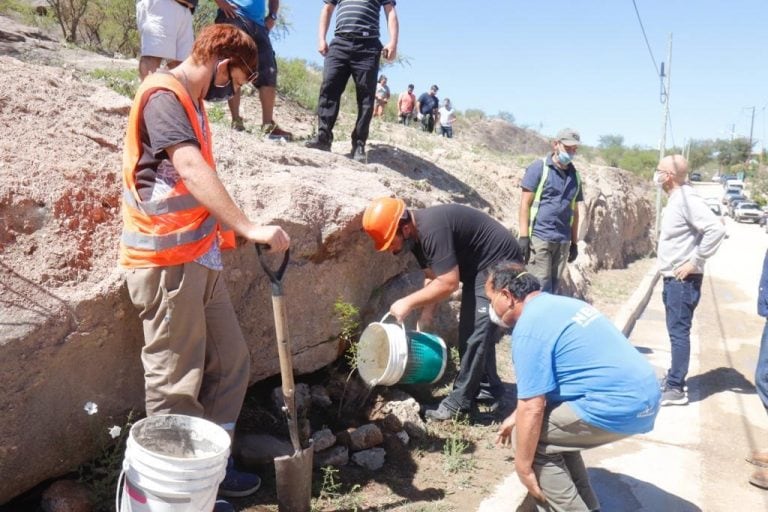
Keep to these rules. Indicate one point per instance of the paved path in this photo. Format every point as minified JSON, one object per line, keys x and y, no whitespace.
{"x":693,"y":460}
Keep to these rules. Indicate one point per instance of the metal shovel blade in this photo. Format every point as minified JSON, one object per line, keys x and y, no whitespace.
{"x":293,"y":476}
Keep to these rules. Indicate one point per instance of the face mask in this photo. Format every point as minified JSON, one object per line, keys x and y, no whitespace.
{"x":659,"y":178}
{"x":496,"y":319}
{"x":564,"y":158}
{"x":217,"y":93}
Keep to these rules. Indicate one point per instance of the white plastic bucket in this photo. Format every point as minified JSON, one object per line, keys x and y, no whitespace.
{"x":388,"y":354}
{"x":173,"y":463}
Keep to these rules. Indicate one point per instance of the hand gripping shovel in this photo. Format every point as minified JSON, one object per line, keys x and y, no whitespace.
{"x":293,"y":473}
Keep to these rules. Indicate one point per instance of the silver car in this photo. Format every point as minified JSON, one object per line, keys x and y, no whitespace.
{"x":747,"y":212}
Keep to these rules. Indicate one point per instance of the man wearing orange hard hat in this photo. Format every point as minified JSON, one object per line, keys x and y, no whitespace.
{"x":453,"y":244}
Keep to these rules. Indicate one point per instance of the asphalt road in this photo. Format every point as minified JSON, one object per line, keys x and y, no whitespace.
{"x":693,"y":460}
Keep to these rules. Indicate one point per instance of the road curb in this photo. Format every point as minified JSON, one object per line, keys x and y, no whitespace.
{"x":633,"y":307}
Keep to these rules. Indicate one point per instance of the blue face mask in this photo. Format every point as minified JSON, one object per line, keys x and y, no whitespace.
{"x":564,"y":158}
{"x":217,"y":93}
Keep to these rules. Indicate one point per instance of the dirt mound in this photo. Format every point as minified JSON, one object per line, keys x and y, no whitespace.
{"x":501,"y":136}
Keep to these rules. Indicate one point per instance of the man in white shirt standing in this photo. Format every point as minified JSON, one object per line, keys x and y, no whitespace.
{"x":690,"y":233}
{"x":447,"y":117}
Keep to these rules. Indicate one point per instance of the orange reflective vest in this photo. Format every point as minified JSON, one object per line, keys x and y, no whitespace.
{"x":174,"y":228}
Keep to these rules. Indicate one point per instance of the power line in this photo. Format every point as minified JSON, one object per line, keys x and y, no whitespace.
{"x":647,"y":44}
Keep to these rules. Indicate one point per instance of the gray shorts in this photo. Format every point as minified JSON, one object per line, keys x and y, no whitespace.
{"x":260,"y":35}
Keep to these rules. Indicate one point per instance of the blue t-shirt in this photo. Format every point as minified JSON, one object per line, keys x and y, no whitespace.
{"x":254,"y":10}
{"x":567,"y":350}
{"x":553,"y":221}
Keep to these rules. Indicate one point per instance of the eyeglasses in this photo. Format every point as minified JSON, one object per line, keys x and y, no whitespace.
{"x":253,"y":74}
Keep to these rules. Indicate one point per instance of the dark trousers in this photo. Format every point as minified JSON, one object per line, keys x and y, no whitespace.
{"x":761,"y":373}
{"x":358,"y":58}
{"x":680,"y":301}
{"x":477,"y":349}
{"x":428,"y":123}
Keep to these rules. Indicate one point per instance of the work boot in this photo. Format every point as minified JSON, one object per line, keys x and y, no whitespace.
{"x":223,"y":506}
{"x":759,"y":458}
{"x":760,"y":478}
{"x":274,"y":132}
{"x":237,"y":484}
{"x":317,"y":143}
{"x":237,"y":124}
{"x":358,"y":153}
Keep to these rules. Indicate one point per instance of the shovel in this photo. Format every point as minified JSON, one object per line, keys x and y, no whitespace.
{"x":293,"y":473}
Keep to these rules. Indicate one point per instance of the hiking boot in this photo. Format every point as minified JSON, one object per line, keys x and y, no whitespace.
{"x":491,"y":403}
{"x":760,"y":478}
{"x":237,"y":484}
{"x":759,"y":459}
{"x":673,"y":396}
{"x":274,"y":132}
{"x":443,"y":413}
{"x":237,"y":124}
{"x":316,"y":143}
{"x":223,"y":506}
{"x":358,"y":153}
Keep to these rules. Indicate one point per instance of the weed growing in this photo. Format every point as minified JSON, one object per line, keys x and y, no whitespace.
{"x":123,"y":81}
{"x":333,"y":497}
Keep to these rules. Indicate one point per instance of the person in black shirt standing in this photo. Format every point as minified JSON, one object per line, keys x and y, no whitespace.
{"x":428,"y":107}
{"x":354,"y":51}
{"x":453,"y":244}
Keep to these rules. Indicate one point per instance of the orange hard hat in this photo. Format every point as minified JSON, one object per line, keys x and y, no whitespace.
{"x":381,"y":219}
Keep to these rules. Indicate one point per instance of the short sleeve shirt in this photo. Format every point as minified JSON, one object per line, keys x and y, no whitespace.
{"x":428,"y":103}
{"x":566,"y":350}
{"x":553,"y":220}
{"x":454,"y":234}
{"x":358,"y":18}
{"x":165,"y":124}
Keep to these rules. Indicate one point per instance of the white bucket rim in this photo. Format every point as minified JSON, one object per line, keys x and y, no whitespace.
{"x":217,"y":429}
{"x":393,"y":371}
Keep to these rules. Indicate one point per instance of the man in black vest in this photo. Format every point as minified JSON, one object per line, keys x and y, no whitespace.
{"x":355,"y":51}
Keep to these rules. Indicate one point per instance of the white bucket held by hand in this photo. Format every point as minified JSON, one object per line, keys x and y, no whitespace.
{"x":173,"y":463}
{"x":387,"y":354}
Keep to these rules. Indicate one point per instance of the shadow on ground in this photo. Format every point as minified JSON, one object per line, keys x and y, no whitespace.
{"x":718,"y":380}
{"x":623,"y":493}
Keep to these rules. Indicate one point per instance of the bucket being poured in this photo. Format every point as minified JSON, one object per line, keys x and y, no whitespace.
{"x":387,"y":354}
{"x":173,"y":463}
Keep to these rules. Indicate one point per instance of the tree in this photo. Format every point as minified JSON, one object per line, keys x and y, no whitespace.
{"x":611,"y":148}
{"x":69,"y":13}
{"x":733,"y":152}
{"x":506,"y":116}
{"x":610,"y":141}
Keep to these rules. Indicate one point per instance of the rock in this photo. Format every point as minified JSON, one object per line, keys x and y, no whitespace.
{"x":407,"y":412}
{"x":320,"y":397}
{"x":261,"y":449}
{"x":334,"y":456}
{"x":323,"y":439}
{"x":301,"y":396}
{"x":403,"y":436}
{"x":66,"y":496}
{"x":371,"y":459}
{"x":364,"y":437}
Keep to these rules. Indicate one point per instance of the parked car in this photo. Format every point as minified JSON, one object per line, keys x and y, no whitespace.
{"x":695,"y":176}
{"x":747,"y":211}
{"x":733,"y":203}
{"x":716,"y":178}
{"x":733,"y":195}
{"x":725,"y":177}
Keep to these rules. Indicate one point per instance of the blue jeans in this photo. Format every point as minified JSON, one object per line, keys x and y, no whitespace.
{"x":761,"y":374}
{"x":680,"y":301}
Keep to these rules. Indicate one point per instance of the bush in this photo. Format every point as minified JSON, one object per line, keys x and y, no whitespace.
{"x":122,"y":81}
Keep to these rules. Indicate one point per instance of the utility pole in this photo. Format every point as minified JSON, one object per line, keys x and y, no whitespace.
{"x":663,"y":139}
{"x":751,"y":128}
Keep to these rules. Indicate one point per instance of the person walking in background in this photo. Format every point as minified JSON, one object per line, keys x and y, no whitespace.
{"x":580,"y":384}
{"x":355,"y":50}
{"x":405,"y":105}
{"x":760,"y":458}
{"x":447,"y":117}
{"x":690,"y":233}
{"x":428,"y":106}
{"x":382,"y":97}
{"x":195,"y":359}
{"x":165,"y":32}
{"x":254,"y":19}
{"x":453,"y":244}
{"x":549,"y":213}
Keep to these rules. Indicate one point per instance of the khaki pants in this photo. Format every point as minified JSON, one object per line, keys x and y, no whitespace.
{"x":195,"y":358}
{"x":558,"y":465}
{"x":547,"y":262}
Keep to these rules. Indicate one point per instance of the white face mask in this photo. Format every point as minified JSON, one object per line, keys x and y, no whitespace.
{"x":659,"y":178}
{"x":496,"y":319}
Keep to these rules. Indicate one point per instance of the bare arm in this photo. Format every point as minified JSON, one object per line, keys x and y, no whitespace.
{"x":394,"y":32}
{"x":274,"y":6}
{"x":204,"y":185}
{"x":526,"y":200}
{"x":529,"y":418}
{"x":435,"y":290}
{"x":322,"y":29}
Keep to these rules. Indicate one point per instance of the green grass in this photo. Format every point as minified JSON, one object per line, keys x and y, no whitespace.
{"x":122,"y":81}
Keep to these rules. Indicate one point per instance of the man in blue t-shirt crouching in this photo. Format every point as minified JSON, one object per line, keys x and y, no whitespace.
{"x":580,"y":384}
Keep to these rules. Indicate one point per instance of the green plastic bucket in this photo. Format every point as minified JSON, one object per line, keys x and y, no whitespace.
{"x":388,"y":354}
{"x":427,"y":357}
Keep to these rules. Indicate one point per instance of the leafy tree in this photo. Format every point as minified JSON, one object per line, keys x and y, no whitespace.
{"x":506,"y":116}
{"x":69,"y":13}
{"x":611,"y":148}
{"x":610,"y":141}
{"x":474,"y":114}
{"x":733,"y":152}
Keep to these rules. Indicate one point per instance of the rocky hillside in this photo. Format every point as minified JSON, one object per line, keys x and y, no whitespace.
{"x":70,"y":334}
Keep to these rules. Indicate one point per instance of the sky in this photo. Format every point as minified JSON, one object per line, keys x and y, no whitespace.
{"x":580,"y":63}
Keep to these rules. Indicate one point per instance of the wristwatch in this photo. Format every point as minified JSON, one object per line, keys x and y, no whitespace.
{"x":272,"y":16}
